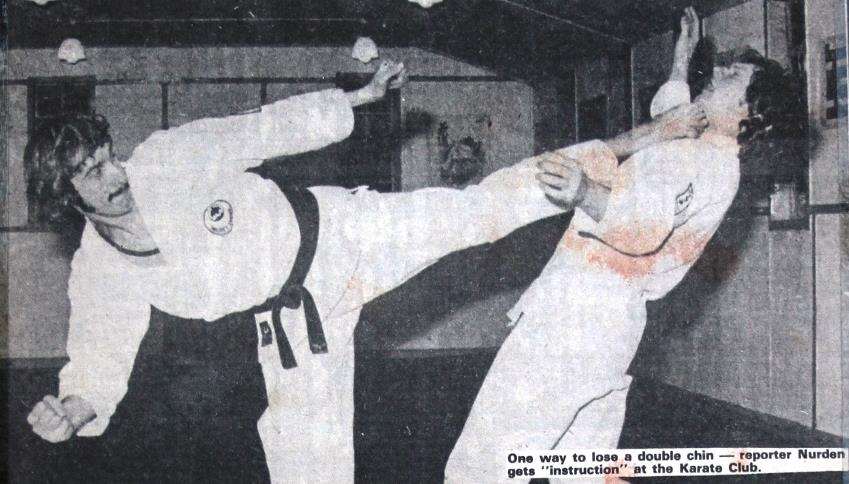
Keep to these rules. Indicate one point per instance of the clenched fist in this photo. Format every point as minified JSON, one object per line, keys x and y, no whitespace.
{"x":57,"y":420}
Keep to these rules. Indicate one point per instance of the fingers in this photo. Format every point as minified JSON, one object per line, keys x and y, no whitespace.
{"x":36,"y":412}
{"x":564,"y":169}
{"x":560,"y":185}
{"x":699,"y":120}
{"x":50,"y":421}
{"x":382,"y":73}
{"x":552,"y":181}
{"x":61,"y":433}
{"x":387,"y":70}
{"x":400,"y":79}
{"x":693,"y":113}
{"x":690,"y":27}
{"x":690,"y":17}
{"x":560,"y":198}
{"x":55,"y":404}
{"x":697,"y":115}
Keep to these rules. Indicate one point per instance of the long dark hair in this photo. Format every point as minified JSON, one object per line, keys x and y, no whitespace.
{"x":51,"y":158}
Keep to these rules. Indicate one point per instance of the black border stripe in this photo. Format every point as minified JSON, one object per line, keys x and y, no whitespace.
{"x":164,"y":120}
{"x":814,"y":322}
{"x":829,"y":208}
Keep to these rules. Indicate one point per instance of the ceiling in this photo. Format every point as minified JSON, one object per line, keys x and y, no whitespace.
{"x":519,"y":38}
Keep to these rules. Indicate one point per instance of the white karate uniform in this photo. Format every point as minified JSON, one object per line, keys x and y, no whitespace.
{"x":227,"y":242}
{"x":559,"y":380}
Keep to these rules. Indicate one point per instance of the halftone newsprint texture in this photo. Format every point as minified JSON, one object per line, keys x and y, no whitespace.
{"x":424,"y":241}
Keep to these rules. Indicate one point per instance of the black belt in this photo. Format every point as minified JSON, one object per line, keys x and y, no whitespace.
{"x":293,"y":292}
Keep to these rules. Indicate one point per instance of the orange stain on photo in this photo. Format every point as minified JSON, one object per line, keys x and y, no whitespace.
{"x":684,"y":246}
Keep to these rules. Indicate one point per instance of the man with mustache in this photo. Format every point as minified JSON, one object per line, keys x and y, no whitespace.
{"x":188,"y":226}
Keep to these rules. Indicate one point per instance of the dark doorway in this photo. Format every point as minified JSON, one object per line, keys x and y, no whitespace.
{"x":370,"y":156}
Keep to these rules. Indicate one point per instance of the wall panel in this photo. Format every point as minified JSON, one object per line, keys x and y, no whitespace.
{"x":509,"y":106}
{"x":739,"y":326}
{"x":280,"y":90}
{"x":134,"y":112}
{"x":170,"y":64}
{"x":132,"y":101}
{"x":738,"y":26}
{"x":830,"y":354}
{"x":15,"y":203}
{"x":38,"y":304}
{"x":191,"y":101}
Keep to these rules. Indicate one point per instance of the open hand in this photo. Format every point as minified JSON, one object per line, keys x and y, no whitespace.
{"x":562,"y":180}
{"x":390,"y":75}
{"x":684,"y":121}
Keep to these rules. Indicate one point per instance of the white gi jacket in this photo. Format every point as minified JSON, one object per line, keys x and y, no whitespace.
{"x":228,"y":239}
{"x":559,"y":380}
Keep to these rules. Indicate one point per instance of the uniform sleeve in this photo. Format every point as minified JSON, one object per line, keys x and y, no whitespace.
{"x":671,"y":94}
{"x":106,"y":326}
{"x":402,"y":233}
{"x":294,"y":125}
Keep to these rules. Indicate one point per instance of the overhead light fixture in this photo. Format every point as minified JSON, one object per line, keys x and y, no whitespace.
{"x":71,"y":51}
{"x":365,"y":50}
{"x":426,"y":3}
{"x":41,"y":2}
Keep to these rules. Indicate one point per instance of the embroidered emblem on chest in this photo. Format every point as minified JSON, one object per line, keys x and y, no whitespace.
{"x":683,"y":199}
{"x":218,"y":217}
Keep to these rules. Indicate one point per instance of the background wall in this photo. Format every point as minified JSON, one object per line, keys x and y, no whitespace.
{"x":765,"y":331}
{"x":756,"y":323}
{"x":213,"y":82}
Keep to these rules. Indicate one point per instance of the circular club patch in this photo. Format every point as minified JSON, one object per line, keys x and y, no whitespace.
{"x":218,"y":217}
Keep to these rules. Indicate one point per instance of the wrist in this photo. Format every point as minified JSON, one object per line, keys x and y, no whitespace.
{"x":79,"y":411}
{"x":679,"y":72}
{"x":581,"y":192}
{"x":361,"y":96}
{"x":595,"y":200}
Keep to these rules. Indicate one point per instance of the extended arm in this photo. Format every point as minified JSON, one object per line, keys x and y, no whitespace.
{"x":293,"y":125}
{"x":106,"y":326}
{"x":673,"y":115}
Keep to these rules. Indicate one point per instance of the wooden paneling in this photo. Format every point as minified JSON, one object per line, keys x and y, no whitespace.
{"x":278,"y":90}
{"x":14,"y":183}
{"x":829,"y":178}
{"x":739,"y":26}
{"x":38,"y":305}
{"x":508,"y":106}
{"x":652,"y":61}
{"x":187,"y":102}
{"x":134,"y":112}
{"x":830,"y":354}
{"x":739,"y":326}
{"x":173,"y":64}
{"x":554,"y":114}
